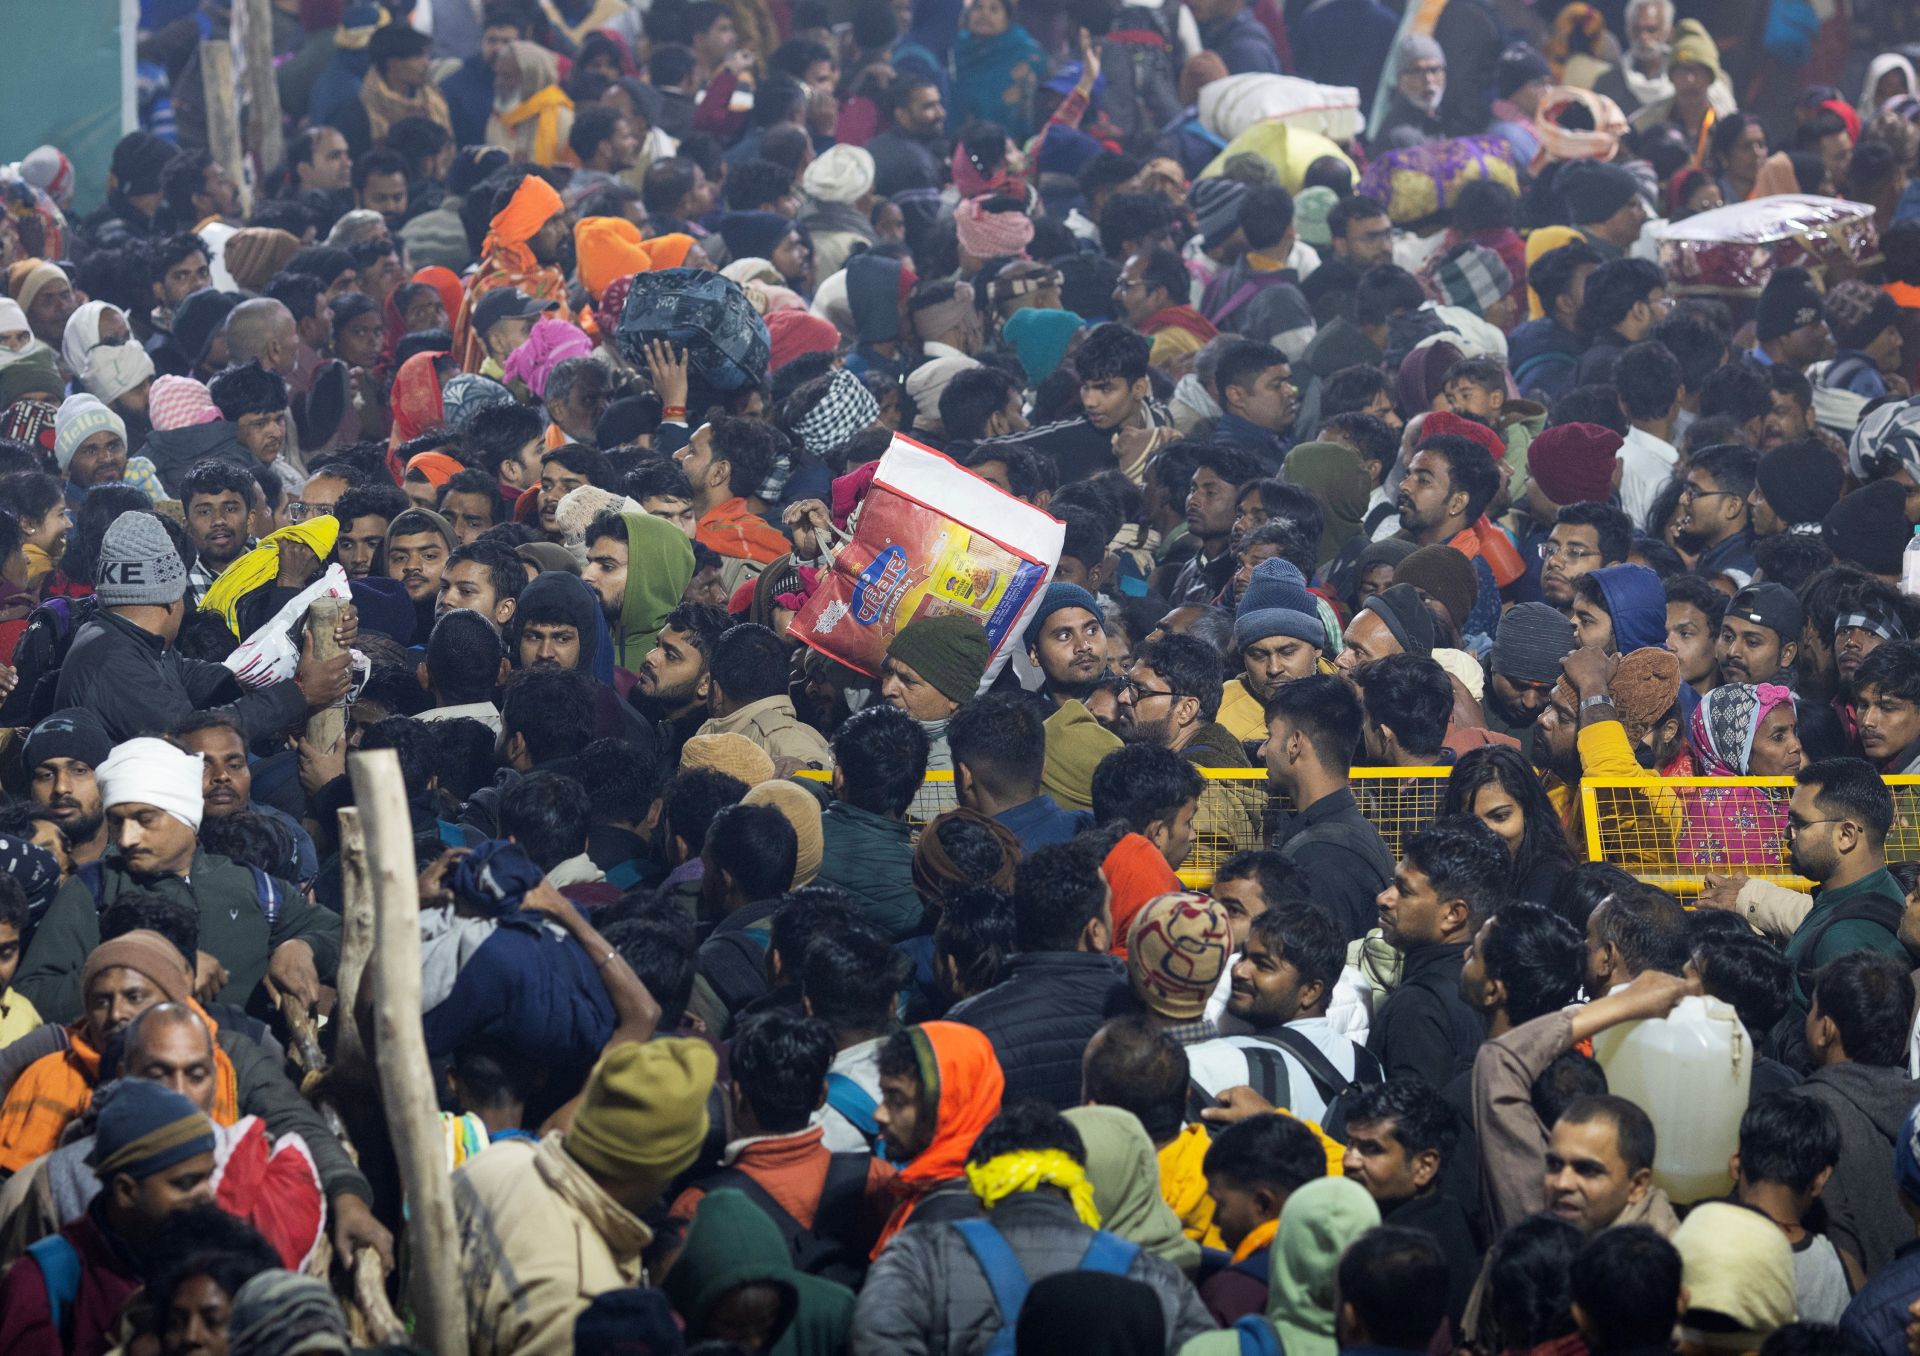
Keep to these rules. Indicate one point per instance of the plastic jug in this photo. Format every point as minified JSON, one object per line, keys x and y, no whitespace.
{"x":1910,"y":565}
{"x":1689,"y":1072}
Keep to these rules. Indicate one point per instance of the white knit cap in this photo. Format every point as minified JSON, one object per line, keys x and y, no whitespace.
{"x":839,"y":174}
{"x":79,"y":418}
{"x":153,"y":772}
{"x":117,"y":369}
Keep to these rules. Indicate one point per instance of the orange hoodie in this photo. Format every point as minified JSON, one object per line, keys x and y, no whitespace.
{"x":960,"y":1085}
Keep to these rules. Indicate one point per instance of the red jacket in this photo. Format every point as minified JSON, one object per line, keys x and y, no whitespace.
{"x":106,"y":1280}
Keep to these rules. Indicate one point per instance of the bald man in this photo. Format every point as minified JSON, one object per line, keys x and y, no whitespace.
{"x":263,"y":328}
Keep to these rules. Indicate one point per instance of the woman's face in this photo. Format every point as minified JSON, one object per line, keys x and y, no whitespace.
{"x":1748,"y":151}
{"x":1499,"y":811}
{"x":1776,"y":745}
{"x":889,"y":224}
{"x":15,"y":340}
{"x":427,"y":312}
{"x":357,"y":343}
{"x":790,"y":257}
{"x":989,"y":18}
{"x":1704,"y":198}
{"x":1893,"y":82}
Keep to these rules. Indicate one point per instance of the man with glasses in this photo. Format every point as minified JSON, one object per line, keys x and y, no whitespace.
{"x":1419,"y":84}
{"x":1171,"y":698}
{"x":1715,"y":515}
{"x":1837,"y":824}
{"x":1585,"y":537}
{"x":321,"y":492}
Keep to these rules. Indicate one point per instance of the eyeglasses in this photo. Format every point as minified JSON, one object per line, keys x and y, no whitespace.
{"x":1691,"y":492}
{"x":299,"y":511}
{"x":1135,"y":692}
{"x":1573,"y":553}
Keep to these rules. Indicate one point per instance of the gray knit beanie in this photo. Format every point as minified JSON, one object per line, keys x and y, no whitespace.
{"x":138,"y":564}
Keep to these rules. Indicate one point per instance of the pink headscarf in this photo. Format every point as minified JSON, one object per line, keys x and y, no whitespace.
{"x":551,"y":342}
{"x":180,"y":402}
{"x":988,"y":235}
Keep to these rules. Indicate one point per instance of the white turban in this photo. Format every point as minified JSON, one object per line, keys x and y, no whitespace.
{"x":839,"y":174}
{"x":927,"y":383}
{"x":153,"y":772}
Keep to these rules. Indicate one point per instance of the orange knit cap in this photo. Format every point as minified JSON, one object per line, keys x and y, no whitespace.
{"x":669,"y":251}
{"x":437,"y":467}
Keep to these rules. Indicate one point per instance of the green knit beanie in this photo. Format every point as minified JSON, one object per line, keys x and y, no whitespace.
{"x":949,"y":651}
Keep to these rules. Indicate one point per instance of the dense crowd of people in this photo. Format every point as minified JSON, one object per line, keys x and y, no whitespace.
{"x":1408,"y":390}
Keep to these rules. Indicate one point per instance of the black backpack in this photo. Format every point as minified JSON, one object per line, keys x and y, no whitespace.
{"x":829,"y":1250}
{"x":1267,"y":1074}
{"x":37,"y":658}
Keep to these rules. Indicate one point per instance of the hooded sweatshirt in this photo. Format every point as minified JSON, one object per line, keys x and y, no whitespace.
{"x":731,"y":1243}
{"x":1870,"y":1102}
{"x":1638,"y":605}
{"x":873,"y":297}
{"x":961,"y":1082}
{"x":176,"y":451}
{"x":659,"y":567}
{"x":1126,"y":1184}
{"x":1323,"y":1217}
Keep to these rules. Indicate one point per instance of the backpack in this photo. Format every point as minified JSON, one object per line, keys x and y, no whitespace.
{"x":37,"y":658}
{"x":266,"y":890}
{"x":1108,"y":1253}
{"x":1220,"y":306}
{"x":1267,"y":1075}
{"x":842,"y":1196}
{"x":856,"y":1106}
{"x":60,"y":1271}
{"x":1257,"y":1337}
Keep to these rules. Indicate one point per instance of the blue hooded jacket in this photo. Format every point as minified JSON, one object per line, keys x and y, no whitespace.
{"x":1638,"y":604}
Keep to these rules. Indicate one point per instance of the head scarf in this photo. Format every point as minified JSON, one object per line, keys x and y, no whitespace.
{"x":1726,"y":722}
{"x":469,"y":393}
{"x":1334,"y":473}
{"x":13,"y":320}
{"x":259,"y":567}
{"x":446,"y":283}
{"x":532,"y":206}
{"x":960,"y":1086}
{"x":935,"y":872}
{"x":608,"y":248}
{"x":613,"y":301}
{"x":180,"y":402}
{"x":82,"y":335}
{"x":659,"y":568}
{"x":550,"y":343}
{"x":988,"y":235}
{"x":1126,"y":1184}
{"x":417,"y":405}
{"x":30,"y":422}
{"x":1423,"y":372}
{"x":117,"y":369}
{"x":669,"y":251}
{"x":541,"y":100}
{"x":847,"y":408}
{"x":286,"y":1313}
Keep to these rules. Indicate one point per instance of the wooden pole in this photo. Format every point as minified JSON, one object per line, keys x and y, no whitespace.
{"x":370,"y":1295}
{"x":356,"y":938}
{"x":223,"y":116}
{"x":262,"y":90}
{"x":326,"y":726}
{"x":406,"y":1081}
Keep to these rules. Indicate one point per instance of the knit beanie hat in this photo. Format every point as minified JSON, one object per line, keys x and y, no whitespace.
{"x":793,"y":333}
{"x":27,"y":278}
{"x":138,"y":158}
{"x":1445,"y":575}
{"x":1644,"y":689}
{"x":1076,"y":743}
{"x":1057,"y":597}
{"x":948,"y":651}
{"x":255,"y":253}
{"x":839,"y":174}
{"x":1800,"y":482}
{"x":80,"y":417}
{"x":74,"y":733}
{"x":1473,"y":279}
{"x":149,"y":771}
{"x":1311,"y":208}
{"x":1532,"y":640}
{"x":201,"y":316}
{"x":1788,"y":301}
{"x":628,"y":1322}
{"x":1459,"y":426}
{"x":733,"y":754}
{"x":138,"y":563}
{"x":801,"y":808}
{"x":180,"y":402}
{"x":144,"y":952}
{"x":1040,"y":337}
{"x":1737,"y":1265}
{"x":1573,"y":463}
{"x":1595,"y":191}
{"x":1869,"y":527}
{"x":1276,"y":603}
{"x":1519,"y":65}
{"x":1406,"y":616}
{"x":1857,"y":313}
{"x":754,"y":235}
{"x":146,"y":1127}
{"x":1216,"y":209}
{"x":1177,"y":948}
{"x":643,"y":1115}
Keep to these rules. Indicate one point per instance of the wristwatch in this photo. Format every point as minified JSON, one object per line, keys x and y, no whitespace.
{"x":1599,"y":699}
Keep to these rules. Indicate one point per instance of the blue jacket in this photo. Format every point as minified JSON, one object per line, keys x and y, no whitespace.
{"x":469,"y":95}
{"x":1243,"y":44}
{"x":1544,"y":356}
{"x":1344,"y":42}
{"x":1041,"y":822}
{"x":1877,"y":1317}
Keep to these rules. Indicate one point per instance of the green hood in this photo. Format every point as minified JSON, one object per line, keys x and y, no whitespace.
{"x":731,"y":1242}
{"x":1125,"y":1173}
{"x":1335,"y":473}
{"x":659,"y":567}
{"x":1316,"y":1224}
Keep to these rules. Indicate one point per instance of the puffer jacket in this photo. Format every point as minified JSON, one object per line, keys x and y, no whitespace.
{"x":927,"y":1294}
{"x":871,"y":858}
{"x":1041,"y":1016}
{"x":176,"y":451}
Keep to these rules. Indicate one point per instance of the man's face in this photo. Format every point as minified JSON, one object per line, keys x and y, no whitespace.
{"x":181,"y":1187}
{"x":899,"y":1117}
{"x":177,"y":1055}
{"x":1424,"y":83}
{"x":674,"y":673}
{"x":1786,"y":421}
{"x":580,"y":411}
{"x":1592,"y":625}
{"x":697,"y":460}
{"x":1277,"y":660}
{"x":1146,"y":707}
{"x":1210,"y":505}
{"x":217,"y":526}
{"x":1411,"y":910}
{"x":1111,"y":401}
{"x":556,"y":483}
{"x":495,"y":39}
{"x":358,"y":342}
{"x":1243,"y":902}
{"x":1368,"y":241}
{"x":924,"y":114}
{"x":1174,"y":837}
{"x":470,"y":514}
{"x":71,"y":794}
{"x":468,"y":585}
{"x":115,"y":997}
{"x":320,"y":494}
{"x":1236,"y":1212}
{"x":1427,"y":498}
{"x":385,"y":194}
{"x":1366,"y":639}
{"x":417,"y":560}
{"x":1836,"y":149}
{"x":1071,"y":650}
{"x":674,"y":509}
{"x":1554,"y":740}
{"x":1690,"y":637}
{"x":1266,"y":987}
{"x":506,"y":334}
{"x":1622,"y":229}
{"x":549,"y":645}
{"x":1851,"y":644}
{"x":1378,"y":1161}
{"x":1888,"y":724}
{"x":717,"y":42}
{"x":100,"y":460}
{"x":1587,"y":1181}
{"x":1749,"y":653}
{"x":226,"y":778}
{"x":1135,"y":299}
{"x":1519,"y":702}
{"x":1572,"y":549}
{"x":606,"y":573}
{"x":1807,"y":344}
{"x":1812,"y":850}
{"x":10,"y":949}
{"x":1649,"y":32}
{"x":52,"y":306}
{"x":151,"y":841}
{"x":902,"y":686}
{"x":183,"y":278}
{"x":264,"y":435}
{"x":331,"y":167}
{"x":359,"y":545}
{"x":1271,"y":401}
{"x":1707,"y":512}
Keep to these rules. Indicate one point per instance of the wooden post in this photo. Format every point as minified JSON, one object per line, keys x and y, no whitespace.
{"x":326,"y":726}
{"x":253,"y":24}
{"x":406,"y":1081}
{"x":223,"y":117}
{"x":356,"y":938}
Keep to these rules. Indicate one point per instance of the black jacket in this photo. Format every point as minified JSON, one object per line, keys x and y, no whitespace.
{"x":1346,"y":860}
{"x":1426,"y":1030}
{"x":1041,"y":1016}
